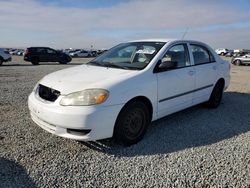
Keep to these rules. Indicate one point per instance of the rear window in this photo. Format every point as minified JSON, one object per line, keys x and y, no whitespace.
{"x":37,"y":50}
{"x":201,"y":55}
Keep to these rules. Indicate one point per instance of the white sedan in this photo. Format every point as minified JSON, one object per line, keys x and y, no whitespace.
{"x":80,"y":53}
{"x":120,"y":92}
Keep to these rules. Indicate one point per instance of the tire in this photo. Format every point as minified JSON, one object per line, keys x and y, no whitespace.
{"x":222,"y":53}
{"x":238,"y":62}
{"x":132,"y":122}
{"x":63,"y":62}
{"x":1,"y":61}
{"x":216,"y":95}
{"x":35,"y":61}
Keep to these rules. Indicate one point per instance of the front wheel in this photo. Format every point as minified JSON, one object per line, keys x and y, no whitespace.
{"x":132,"y":123}
{"x":216,"y":95}
{"x":1,"y":61}
{"x":63,"y":62}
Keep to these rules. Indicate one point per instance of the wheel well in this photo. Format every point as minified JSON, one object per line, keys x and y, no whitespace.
{"x":143,"y":99}
{"x":221,"y":81}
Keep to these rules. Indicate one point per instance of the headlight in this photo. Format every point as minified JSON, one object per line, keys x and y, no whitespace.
{"x":85,"y":98}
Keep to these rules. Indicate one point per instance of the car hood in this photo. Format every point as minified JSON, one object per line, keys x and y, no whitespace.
{"x":84,"y":77}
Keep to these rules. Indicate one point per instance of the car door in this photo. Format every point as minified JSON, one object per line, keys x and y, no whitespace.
{"x":53,"y":56}
{"x":206,"y":72}
{"x":176,"y":86}
{"x":246,"y":59}
{"x":42,"y":54}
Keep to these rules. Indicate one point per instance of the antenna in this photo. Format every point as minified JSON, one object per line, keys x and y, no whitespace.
{"x":184,"y":34}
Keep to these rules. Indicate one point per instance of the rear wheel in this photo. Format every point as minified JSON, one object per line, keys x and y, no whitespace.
{"x":1,"y":61}
{"x":132,"y":123}
{"x":238,"y":62}
{"x":216,"y":95}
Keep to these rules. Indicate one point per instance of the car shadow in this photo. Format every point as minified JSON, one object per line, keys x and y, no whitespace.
{"x":14,"y":175}
{"x":194,"y":127}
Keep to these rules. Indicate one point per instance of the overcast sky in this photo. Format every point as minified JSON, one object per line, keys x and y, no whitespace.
{"x":104,"y":23}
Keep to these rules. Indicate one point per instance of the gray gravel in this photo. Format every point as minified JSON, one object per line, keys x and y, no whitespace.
{"x":197,"y":147}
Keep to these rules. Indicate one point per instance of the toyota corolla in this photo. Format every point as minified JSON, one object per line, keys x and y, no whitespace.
{"x":119,"y":93}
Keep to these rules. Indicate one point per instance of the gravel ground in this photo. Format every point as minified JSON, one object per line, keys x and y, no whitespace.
{"x":197,"y":147}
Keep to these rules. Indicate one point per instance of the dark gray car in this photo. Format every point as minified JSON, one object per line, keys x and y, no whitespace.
{"x":45,"y":54}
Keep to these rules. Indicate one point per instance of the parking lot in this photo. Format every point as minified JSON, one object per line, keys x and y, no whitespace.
{"x":197,"y":147}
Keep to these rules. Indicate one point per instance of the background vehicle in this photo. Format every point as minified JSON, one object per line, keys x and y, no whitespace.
{"x":80,"y":53}
{"x":45,"y":54}
{"x":242,"y":60}
{"x":4,"y":56}
{"x":221,"y":51}
{"x":239,"y":54}
{"x":229,"y":54}
{"x":20,"y":52}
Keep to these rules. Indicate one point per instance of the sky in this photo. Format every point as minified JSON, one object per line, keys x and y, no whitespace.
{"x":104,"y":23}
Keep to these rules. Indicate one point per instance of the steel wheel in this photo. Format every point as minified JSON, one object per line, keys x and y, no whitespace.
{"x":132,"y":123}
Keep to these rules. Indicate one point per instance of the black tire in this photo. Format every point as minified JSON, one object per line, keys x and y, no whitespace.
{"x":216,"y":95}
{"x":35,"y":61}
{"x":132,"y":122}
{"x":1,"y":61}
{"x":238,"y":62}
{"x":63,"y":61}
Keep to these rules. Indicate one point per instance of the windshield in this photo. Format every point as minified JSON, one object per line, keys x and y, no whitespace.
{"x":133,"y":55}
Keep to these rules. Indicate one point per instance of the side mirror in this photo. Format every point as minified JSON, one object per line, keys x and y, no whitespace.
{"x":165,"y":65}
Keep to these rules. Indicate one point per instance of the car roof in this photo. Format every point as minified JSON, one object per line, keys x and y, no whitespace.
{"x":165,"y":40}
{"x":40,"y":47}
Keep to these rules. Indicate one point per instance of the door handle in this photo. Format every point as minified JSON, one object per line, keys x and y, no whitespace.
{"x":214,"y":67}
{"x":191,"y":73}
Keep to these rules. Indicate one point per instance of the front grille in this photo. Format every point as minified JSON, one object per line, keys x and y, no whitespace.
{"x":48,"y":94}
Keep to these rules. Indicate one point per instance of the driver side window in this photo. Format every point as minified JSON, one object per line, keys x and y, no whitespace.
{"x":179,"y":54}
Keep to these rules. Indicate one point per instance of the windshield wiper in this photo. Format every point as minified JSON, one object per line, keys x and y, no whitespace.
{"x":95,"y":63}
{"x":110,"y":64}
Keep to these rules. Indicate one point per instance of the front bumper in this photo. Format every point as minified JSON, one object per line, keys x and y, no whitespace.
{"x":97,"y":121}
